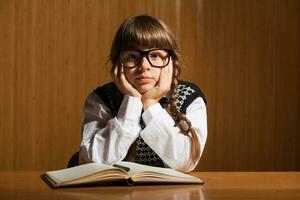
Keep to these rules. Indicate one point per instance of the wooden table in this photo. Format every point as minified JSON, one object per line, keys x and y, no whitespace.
{"x":218,"y":185}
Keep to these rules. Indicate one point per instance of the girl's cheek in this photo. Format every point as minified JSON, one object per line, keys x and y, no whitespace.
{"x":158,"y":74}
{"x":127,"y":74}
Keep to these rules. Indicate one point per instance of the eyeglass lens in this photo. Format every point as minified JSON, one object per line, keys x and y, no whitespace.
{"x":157,"y":58}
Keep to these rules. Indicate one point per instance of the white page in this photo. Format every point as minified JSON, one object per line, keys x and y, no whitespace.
{"x":137,"y":168}
{"x":64,"y":175}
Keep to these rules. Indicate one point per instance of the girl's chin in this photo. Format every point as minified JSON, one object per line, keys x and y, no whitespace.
{"x":144,"y":89}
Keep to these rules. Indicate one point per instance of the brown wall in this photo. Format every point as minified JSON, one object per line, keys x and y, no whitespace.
{"x":243,"y":54}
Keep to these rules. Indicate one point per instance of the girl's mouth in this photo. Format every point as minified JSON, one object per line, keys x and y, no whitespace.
{"x":143,"y":79}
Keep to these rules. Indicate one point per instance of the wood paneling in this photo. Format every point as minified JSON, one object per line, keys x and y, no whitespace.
{"x":243,"y":54}
{"x":250,"y":71}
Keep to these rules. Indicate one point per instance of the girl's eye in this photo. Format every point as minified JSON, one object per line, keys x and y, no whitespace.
{"x":131,"y":57}
{"x":158,"y":54}
{"x":154,"y":56}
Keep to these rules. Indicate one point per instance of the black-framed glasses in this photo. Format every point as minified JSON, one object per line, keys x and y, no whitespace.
{"x":156,"y":57}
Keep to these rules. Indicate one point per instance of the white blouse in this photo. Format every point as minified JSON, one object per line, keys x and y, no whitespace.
{"x":107,"y":140}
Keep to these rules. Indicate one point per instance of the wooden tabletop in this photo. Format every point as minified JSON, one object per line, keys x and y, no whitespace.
{"x":218,"y":185}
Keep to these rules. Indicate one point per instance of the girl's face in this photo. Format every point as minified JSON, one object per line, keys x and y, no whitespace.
{"x":144,"y":76}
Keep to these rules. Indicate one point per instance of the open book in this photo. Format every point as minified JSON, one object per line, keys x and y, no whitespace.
{"x":127,"y":172}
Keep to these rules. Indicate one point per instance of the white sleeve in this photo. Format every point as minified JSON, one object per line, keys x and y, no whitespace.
{"x":106,"y":139}
{"x":173,"y":147}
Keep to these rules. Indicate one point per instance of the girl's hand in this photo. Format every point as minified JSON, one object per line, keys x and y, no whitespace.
{"x":162,"y":87}
{"x":122,"y":83}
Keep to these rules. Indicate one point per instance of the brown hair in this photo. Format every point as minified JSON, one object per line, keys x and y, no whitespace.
{"x":148,"y":32}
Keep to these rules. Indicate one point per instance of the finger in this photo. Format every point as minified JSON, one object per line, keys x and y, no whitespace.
{"x":112,"y":73}
{"x":116,"y":76}
{"x":161,"y":77}
{"x":121,"y":70}
{"x":123,"y":80}
{"x":168,"y":75}
{"x":122,"y":76}
{"x":170,"y":71}
{"x":162,"y":82}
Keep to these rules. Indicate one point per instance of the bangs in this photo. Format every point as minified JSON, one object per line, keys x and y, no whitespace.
{"x":146,"y":35}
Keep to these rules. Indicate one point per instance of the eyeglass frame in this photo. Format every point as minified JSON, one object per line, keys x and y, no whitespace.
{"x":146,"y":54}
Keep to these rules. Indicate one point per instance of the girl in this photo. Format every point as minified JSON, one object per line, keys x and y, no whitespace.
{"x":146,"y":115}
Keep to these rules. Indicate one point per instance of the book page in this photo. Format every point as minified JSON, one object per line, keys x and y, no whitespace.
{"x":156,"y":173}
{"x":64,"y":175}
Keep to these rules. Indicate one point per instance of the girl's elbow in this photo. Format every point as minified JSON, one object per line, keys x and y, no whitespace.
{"x":181,"y":165}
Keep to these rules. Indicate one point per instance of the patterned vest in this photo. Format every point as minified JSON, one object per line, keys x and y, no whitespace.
{"x":112,"y":97}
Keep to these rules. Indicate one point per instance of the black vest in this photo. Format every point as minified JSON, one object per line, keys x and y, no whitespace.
{"x":112,"y":97}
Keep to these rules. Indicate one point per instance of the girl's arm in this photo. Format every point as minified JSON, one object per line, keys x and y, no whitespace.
{"x":106,"y":139}
{"x":173,"y":147}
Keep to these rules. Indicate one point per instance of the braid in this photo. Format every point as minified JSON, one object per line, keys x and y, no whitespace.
{"x":176,"y":114}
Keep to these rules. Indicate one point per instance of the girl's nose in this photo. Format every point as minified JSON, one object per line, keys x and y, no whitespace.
{"x":144,"y":64}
